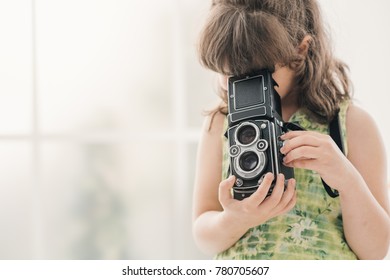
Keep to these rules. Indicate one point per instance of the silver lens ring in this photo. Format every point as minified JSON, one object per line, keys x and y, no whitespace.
{"x":247,"y":133}
{"x":249,"y":174}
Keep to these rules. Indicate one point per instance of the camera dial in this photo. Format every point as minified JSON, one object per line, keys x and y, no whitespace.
{"x":262,"y":145}
{"x":234,"y":151}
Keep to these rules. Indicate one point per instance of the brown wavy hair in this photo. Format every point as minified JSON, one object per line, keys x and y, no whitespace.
{"x":240,"y":36}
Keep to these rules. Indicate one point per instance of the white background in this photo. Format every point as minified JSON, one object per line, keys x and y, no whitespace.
{"x":100,"y":112}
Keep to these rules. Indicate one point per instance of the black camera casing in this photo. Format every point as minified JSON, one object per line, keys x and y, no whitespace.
{"x":255,"y":126}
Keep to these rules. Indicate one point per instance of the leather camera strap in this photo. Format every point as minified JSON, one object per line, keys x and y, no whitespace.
{"x":335,"y":133}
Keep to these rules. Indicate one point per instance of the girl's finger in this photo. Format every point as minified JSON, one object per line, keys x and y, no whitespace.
{"x":259,"y":195}
{"x":225,"y":187}
{"x":304,"y":152}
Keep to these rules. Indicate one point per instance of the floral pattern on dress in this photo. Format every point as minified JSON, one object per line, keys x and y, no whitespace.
{"x":304,"y":233}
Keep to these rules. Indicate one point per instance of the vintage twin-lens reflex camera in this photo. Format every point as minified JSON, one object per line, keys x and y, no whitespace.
{"x":255,"y":124}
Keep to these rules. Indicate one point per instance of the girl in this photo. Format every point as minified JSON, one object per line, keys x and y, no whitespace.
{"x":301,"y":222}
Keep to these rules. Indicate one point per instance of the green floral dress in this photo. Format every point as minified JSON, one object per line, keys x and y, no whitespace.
{"x":313,"y":229}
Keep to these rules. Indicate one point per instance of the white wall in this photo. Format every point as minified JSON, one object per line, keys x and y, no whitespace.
{"x":362,"y":39}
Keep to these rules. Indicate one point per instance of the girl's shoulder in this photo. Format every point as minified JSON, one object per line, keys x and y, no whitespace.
{"x":215,"y":124}
{"x":359,"y":121}
{"x":365,"y":142}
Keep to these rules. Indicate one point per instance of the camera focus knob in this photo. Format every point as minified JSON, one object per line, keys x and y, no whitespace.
{"x":239,"y":182}
{"x":234,"y":151}
{"x":262,"y":145}
{"x":280,"y":143}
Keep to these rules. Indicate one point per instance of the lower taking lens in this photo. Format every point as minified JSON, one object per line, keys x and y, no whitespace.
{"x":248,"y":161}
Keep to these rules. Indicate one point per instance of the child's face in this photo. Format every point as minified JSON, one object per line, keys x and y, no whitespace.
{"x":283,"y":76}
{"x":223,"y":80}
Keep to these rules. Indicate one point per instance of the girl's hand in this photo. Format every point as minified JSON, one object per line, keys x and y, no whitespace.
{"x":317,"y":152}
{"x":257,"y":209}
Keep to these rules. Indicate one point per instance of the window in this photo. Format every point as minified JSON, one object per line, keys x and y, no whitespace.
{"x":100,"y":109}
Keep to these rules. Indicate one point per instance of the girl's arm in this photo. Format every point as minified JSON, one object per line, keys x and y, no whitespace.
{"x":366,"y":206}
{"x":360,"y":179}
{"x":208,"y":222}
{"x":218,"y":219}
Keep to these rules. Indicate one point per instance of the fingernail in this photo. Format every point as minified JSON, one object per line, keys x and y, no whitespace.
{"x":261,"y":179}
{"x":293,"y":181}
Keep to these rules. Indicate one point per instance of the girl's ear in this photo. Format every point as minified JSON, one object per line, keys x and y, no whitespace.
{"x":305,"y":45}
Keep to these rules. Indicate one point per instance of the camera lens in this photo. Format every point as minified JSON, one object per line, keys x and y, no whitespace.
{"x":248,"y":161}
{"x":246,"y":134}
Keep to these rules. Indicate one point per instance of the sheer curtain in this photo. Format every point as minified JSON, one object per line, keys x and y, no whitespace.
{"x":100,"y":104}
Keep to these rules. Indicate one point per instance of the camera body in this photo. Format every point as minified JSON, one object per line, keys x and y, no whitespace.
{"x":255,"y":126}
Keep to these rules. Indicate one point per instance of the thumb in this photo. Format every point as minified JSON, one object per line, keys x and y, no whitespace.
{"x":225,"y":187}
